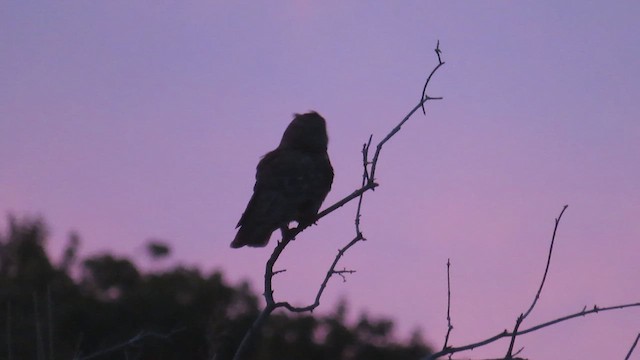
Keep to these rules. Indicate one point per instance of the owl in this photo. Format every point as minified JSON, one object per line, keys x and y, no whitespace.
{"x":292,"y":181}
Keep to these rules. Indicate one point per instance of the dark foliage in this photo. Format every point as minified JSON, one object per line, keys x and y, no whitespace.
{"x":112,"y":310}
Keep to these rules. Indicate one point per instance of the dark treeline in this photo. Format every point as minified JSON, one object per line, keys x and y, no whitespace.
{"x":105,"y":307}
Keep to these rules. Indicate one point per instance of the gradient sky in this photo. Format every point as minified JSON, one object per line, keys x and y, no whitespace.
{"x":125,"y":121}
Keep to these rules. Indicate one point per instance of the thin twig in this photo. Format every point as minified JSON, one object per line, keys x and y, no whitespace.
{"x":374,"y":163}
{"x":546,"y":269}
{"x":423,"y":100}
{"x":365,"y":179}
{"x":544,"y":278}
{"x":365,"y":161}
{"x":424,"y":95}
{"x":342,"y":272}
{"x":633,"y":346}
{"x":449,"y":325}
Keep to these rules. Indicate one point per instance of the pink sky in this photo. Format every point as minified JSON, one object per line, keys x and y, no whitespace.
{"x":128,"y":121}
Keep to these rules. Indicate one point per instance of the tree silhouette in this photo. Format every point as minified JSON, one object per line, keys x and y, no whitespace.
{"x":113,"y":310}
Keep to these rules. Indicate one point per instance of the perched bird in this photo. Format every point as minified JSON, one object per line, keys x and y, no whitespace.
{"x":291,"y":182}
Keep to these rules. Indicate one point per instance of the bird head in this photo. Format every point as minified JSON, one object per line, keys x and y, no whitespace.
{"x":306,"y":132}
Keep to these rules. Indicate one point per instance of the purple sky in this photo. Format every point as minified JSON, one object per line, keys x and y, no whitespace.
{"x":127,"y":121}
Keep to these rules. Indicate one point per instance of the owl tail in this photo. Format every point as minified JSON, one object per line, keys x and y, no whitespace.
{"x":251,"y":237}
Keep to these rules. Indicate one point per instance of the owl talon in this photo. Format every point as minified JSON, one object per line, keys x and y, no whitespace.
{"x":287,"y":233}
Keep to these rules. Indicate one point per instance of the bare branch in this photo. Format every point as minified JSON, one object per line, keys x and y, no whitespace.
{"x":584,"y":312}
{"x":633,"y":346}
{"x":505,"y":333}
{"x":368,"y":183}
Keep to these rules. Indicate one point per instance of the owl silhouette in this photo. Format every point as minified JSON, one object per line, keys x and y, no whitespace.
{"x":292,"y":181}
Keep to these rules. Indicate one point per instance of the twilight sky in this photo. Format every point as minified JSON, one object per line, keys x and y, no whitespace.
{"x":125,"y":121}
